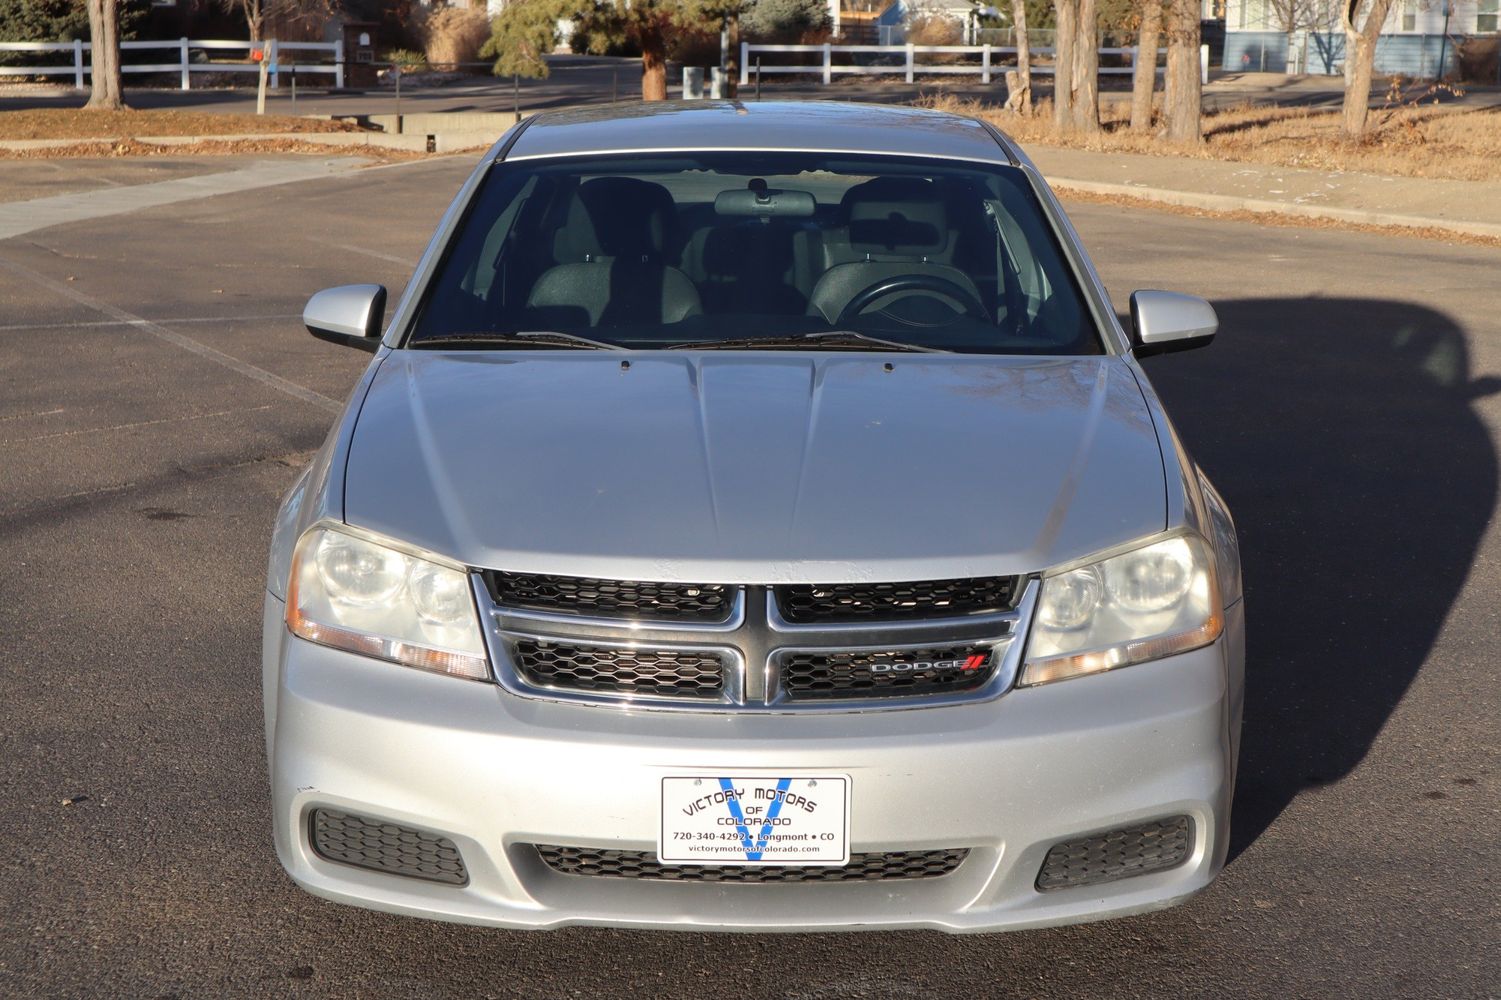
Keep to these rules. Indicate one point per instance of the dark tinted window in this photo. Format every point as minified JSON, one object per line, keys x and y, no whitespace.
{"x":664,"y":250}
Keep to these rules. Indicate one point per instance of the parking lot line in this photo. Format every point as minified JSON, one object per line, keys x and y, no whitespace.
{"x":176,"y":321}
{"x":234,"y":364}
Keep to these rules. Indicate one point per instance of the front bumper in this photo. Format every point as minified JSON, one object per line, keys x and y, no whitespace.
{"x":1006,"y":779}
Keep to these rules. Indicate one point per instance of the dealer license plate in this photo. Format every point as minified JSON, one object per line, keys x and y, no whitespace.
{"x":755,"y":820}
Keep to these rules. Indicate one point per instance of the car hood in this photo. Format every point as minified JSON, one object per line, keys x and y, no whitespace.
{"x":745,"y":467}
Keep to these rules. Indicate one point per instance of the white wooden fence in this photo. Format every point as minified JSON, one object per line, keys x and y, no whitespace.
{"x":910,"y":67}
{"x":183,"y":64}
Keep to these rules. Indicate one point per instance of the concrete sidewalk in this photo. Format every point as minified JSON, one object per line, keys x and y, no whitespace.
{"x":1471,"y":207}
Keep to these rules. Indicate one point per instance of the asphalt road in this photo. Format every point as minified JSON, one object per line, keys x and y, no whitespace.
{"x":157,"y":395}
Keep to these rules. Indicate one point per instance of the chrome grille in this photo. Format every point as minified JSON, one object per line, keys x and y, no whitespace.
{"x":644,"y":865}
{"x":836,"y":603}
{"x":626,"y":670}
{"x":756,"y":658}
{"x":883,"y":673}
{"x":588,"y":596}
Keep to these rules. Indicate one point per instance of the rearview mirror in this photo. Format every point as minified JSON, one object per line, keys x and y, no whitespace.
{"x":350,"y":315}
{"x":1163,"y":322}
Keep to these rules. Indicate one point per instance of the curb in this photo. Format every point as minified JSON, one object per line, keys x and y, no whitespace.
{"x":1230,"y":203}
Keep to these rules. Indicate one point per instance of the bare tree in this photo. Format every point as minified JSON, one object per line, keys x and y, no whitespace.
{"x":255,"y":13}
{"x":1360,"y":58}
{"x":104,"y":57}
{"x":1086,"y":101}
{"x":1144,"y":83}
{"x":1183,"y":97}
{"x":1064,"y":37}
{"x":1293,"y":16}
{"x":1020,"y":97}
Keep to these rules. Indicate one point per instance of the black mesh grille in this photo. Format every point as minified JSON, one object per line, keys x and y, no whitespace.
{"x":578,"y":595}
{"x":813,"y":604}
{"x":643,"y":865}
{"x":385,"y":847}
{"x":1118,"y":854}
{"x":899,"y":673}
{"x":679,"y":673}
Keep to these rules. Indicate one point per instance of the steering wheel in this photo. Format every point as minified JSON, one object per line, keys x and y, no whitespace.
{"x":961,"y":299}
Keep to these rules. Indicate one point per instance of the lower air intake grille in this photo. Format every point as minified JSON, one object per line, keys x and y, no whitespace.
{"x":385,"y":847}
{"x":813,"y":675}
{"x":620,"y":670}
{"x":633,"y":599}
{"x":813,"y":604}
{"x":644,"y":865}
{"x":1118,"y":854}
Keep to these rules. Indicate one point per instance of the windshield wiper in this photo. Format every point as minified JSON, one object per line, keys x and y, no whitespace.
{"x":818,"y":338}
{"x":549,"y":337}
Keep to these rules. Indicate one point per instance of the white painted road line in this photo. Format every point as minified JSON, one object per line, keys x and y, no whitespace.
{"x":20,"y":217}
{"x":177,"y":321}
{"x":234,"y":364}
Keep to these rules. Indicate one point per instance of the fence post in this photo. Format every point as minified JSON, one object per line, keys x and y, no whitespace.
{"x":78,"y":63}
{"x":338,"y":63}
{"x":910,"y":57}
{"x":828,"y":64}
{"x":275,"y":66}
{"x":182,"y":44}
{"x":1203,"y":64}
{"x":985,"y":64}
{"x":744,"y":63}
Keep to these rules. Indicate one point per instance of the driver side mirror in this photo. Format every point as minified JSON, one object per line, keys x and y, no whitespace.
{"x":1164,"y":322}
{"x":350,"y":315}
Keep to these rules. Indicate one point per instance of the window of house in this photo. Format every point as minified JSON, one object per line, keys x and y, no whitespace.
{"x":1488,"y":16}
{"x":1409,"y":15}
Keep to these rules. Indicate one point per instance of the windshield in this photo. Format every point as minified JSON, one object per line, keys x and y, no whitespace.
{"x":746,"y":250}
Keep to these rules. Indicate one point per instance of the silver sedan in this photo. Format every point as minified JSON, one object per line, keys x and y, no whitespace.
{"x":755,"y":517}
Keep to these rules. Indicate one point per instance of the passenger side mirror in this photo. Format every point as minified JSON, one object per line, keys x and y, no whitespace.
{"x":350,"y":315}
{"x":1163,"y":322}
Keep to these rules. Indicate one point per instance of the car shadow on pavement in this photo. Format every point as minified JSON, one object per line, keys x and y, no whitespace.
{"x":1344,"y":436}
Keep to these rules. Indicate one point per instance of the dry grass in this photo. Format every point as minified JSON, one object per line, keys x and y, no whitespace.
{"x":1414,"y":141}
{"x":59,"y":123}
{"x":453,"y":36}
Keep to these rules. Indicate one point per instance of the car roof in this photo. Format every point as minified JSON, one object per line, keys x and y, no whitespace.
{"x":816,"y":126}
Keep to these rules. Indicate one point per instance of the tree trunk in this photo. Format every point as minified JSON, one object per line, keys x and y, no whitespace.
{"x":1064,"y":35}
{"x":1087,"y":67}
{"x":653,"y":64}
{"x":104,"y":57}
{"x":1360,"y":59}
{"x":1184,"y":94}
{"x":1021,"y":101}
{"x":732,"y":63}
{"x":1144,"y":83}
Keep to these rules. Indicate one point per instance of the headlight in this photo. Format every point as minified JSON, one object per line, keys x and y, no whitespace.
{"x":1144,"y":604}
{"x":353,"y":590}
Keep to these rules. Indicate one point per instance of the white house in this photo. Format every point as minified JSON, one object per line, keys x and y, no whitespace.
{"x":1305,"y":35}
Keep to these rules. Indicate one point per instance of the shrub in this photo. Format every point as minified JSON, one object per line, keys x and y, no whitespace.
{"x":781,"y":22}
{"x":409,"y":61}
{"x":935,"y":29}
{"x":453,"y":36}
